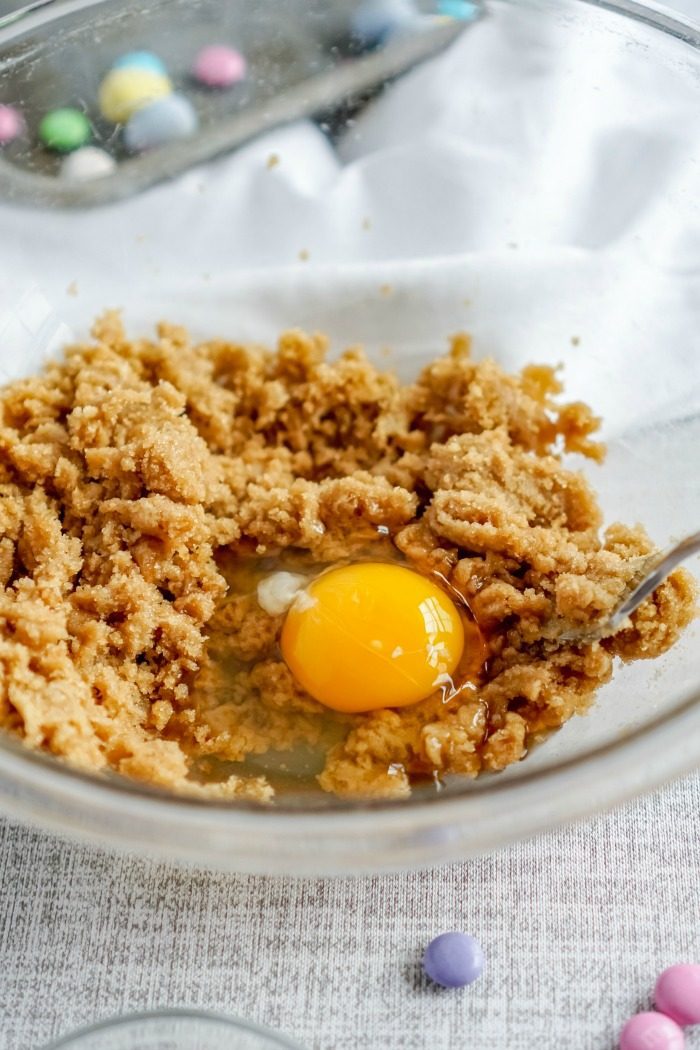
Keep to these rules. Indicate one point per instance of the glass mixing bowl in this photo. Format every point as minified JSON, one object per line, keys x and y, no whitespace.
{"x":535,"y":182}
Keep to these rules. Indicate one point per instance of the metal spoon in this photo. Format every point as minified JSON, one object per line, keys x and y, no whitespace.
{"x":656,"y":567}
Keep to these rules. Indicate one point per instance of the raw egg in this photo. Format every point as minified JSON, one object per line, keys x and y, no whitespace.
{"x":372,"y":635}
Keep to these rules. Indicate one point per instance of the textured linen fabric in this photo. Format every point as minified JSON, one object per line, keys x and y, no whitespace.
{"x":575,"y":925}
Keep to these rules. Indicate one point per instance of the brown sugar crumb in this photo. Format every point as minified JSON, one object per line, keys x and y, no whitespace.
{"x":146,"y":485}
{"x":72,"y":289}
{"x":304,"y":255}
{"x":273,"y":161}
{"x":575,"y":340}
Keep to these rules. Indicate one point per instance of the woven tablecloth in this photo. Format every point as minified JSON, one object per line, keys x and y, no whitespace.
{"x":575,"y":924}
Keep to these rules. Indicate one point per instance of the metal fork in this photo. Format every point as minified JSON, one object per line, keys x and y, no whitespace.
{"x":656,"y":568}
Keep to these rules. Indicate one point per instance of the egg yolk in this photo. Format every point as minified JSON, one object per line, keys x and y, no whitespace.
{"x":372,"y":635}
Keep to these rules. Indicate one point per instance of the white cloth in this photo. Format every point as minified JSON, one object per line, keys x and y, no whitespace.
{"x":452,"y":205}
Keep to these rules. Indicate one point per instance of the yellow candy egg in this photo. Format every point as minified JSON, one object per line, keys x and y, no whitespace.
{"x":124,"y":91}
{"x":372,"y":635}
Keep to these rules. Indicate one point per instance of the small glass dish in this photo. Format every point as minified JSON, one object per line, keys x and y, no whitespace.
{"x":174,"y":1030}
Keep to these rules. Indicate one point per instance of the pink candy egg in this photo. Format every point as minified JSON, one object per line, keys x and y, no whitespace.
{"x":11,"y":124}
{"x":651,"y":1031}
{"x":219,"y":66}
{"x":677,"y":993}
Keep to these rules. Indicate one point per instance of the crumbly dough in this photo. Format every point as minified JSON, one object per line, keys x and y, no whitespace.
{"x":146,"y":485}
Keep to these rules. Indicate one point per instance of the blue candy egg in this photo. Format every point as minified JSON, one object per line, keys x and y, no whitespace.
{"x":141,"y":59}
{"x":466,"y":10}
{"x":164,"y":120}
{"x":453,"y":960}
{"x":376,"y":20}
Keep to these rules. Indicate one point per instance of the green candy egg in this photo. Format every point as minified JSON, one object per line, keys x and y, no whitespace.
{"x":64,"y":130}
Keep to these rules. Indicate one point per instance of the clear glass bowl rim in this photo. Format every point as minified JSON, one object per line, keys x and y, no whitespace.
{"x":351,"y":837}
{"x":148,"y":1017}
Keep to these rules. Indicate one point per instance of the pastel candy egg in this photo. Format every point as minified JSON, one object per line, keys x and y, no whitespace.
{"x":142,"y":60}
{"x":651,"y":1031}
{"x":677,"y":993}
{"x":124,"y":91}
{"x":163,"y":121}
{"x":11,"y":124}
{"x":219,"y":66}
{"x":64,"y":129}
{"x":465,"y":10}
{"x":377,"y":20}
{"x":87,"y":163}
{"x":453,"y":960}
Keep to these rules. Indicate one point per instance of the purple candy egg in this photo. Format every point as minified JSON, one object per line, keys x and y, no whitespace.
{"x":453,"y":960}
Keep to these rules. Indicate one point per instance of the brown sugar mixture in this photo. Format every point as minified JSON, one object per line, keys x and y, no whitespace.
{"x":147,"y":486}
